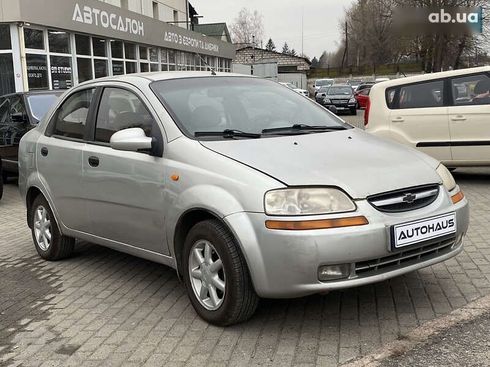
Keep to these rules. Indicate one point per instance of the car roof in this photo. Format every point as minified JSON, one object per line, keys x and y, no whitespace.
{"x":432,"y":76}
{"x":341,"y":85}
{"x":58,"y":92}
{"x":165,"y":75}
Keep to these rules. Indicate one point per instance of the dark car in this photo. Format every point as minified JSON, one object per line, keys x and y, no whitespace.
{"x":19,"y":113}
{"x":342,"y":98}
{"x":321,"y":93}
{"x":364,"y":85}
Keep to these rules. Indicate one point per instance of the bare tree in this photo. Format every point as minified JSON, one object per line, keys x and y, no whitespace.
{"x":246,"y":26}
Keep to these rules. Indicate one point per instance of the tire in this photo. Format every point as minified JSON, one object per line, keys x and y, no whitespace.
{"x":353,"y":111}
{"x":5,"y":176}
{"x":58,"y":246}
{"x":238,"y":301}
{"x":1,"y":186}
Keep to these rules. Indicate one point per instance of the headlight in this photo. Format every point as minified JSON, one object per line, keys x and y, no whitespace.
{"x":326,"y":100}
{"x":307,"y":201}
{"x":446,"y":177}
{"x":352,"y":100}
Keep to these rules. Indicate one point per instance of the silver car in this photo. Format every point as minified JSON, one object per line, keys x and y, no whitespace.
{"x":243,"y":186}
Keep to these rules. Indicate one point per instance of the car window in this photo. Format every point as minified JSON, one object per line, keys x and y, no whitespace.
{"x":345,"y":91}
{"x":471,"y":90}
{"x":4,"y":109}
{"x":40,"y":104}
{"x":237,"y":103}
{"x":71,"y":117}
{"x":121,"y":109}
{"x":422,"y":95}
{"x":17,"y":105}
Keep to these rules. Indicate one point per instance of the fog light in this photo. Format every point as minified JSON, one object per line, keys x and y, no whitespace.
{"x":333,"y":272}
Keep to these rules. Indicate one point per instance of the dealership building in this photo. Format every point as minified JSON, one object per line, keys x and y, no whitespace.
{"x":56,"y":44}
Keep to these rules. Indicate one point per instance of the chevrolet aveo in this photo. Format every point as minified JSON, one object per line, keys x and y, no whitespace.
{"x":243,"y":186}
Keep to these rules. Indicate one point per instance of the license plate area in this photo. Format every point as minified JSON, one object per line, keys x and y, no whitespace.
{"x":419,"y":231}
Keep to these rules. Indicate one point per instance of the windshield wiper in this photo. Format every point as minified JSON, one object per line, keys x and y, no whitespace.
{"x":302,"y":127}
{"x":228,"y":134}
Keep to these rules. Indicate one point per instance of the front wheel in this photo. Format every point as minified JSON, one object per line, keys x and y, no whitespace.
{"x":1,"y":184}
{"x":49,"y":242}
{"x":216,"y":275}
{"x":353,"y":111}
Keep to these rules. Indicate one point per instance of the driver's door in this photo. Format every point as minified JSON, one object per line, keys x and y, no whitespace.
{"x":125,"y":190}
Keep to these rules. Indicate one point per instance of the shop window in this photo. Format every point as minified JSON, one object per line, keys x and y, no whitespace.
{"x":99,"y":46}
{"x":100,"y":68}
{"x":171,"y":67}
{"x":82,"y":44}
{"x":130,"y":51}
{"x":117,"y":67}
{"x":171,"y":56}
{"x":117,"y":49}
{"x":61,"y":72}
{"x":154,"y":67}
{"x":84,"y":67}
{"x":5,"y":37}
{"x":34,"y":38}
{"x":143,"y":53}
{"x":7,"y":83}
{"x":154,"y":54}
{"x":144,"y":67}
{"x":130,"y":67}
{"x":164,"y":67}
{"x":37,"y":71}
{"x":59,"y":42}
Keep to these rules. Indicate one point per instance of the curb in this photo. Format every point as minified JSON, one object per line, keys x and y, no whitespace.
{"x":422,"y":333}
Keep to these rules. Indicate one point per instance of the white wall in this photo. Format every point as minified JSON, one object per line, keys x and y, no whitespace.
{"x":165,"y":8}
{"x":298,"y":79}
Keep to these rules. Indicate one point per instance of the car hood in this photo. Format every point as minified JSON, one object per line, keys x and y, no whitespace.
{"x":359,"y":163}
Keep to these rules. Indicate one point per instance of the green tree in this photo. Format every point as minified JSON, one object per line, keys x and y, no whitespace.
{"x":270,"y":46}
{"x":285,"y":49}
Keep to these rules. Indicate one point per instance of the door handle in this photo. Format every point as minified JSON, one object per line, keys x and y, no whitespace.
{"x":458,"y":118}
{"x":44,"y":151}
{"x":93,"y":161}
{"x":398,"y":119}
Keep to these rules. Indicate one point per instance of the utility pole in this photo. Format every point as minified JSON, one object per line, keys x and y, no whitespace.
{"x":253,"y":54}
{"x":346,"y":50}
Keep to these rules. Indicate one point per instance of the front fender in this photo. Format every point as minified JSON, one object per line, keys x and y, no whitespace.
{"x":212,"y":199}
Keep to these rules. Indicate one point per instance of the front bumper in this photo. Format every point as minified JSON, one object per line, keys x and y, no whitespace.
{"x":285,"y":264}
{"x":342,"y":106}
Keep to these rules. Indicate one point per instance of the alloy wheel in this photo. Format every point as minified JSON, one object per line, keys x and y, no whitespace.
{"x":42,"y":228}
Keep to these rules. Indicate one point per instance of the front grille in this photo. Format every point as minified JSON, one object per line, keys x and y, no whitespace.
{"x":405,"y":199}
{"x":404,"y":258}
{"x":340,"y":100}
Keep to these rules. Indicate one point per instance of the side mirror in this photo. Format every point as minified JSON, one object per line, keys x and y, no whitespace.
{"x":132,"y":139}
{"x":332,"y":109}
{"x":18,"y":117}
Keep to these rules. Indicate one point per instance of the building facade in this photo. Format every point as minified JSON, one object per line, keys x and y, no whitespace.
{"x":56,"y":44}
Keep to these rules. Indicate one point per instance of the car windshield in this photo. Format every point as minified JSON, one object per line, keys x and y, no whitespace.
{"x":241,"y":104}
{"x":320,"y":83}
{"x":347,"y":91}
{"x":40,"y":104}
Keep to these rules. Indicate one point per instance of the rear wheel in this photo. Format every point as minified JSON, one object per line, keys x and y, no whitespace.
{"x":1,"y":186}
{"x":216,"y":275}
{"x":49,"y":242}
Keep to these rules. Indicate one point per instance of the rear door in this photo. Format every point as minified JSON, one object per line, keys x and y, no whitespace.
{"x":418,"y":116}
{"x":469,"y":118}
{"x":125,"y":189}
{"x":59,"y":158}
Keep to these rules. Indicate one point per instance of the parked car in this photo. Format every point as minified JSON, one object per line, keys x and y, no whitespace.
{"x":245,"y":187}
{"x":442,"y":114}
{"x":354,"y":83}
{"x":362,"y":97}
{"x":19,"y":113}
{"x":303,"y":92}
{"x":321,"y":94}
{"x":322,"y":83}
{"x":364,"y":85}
{"x":342,"y":98}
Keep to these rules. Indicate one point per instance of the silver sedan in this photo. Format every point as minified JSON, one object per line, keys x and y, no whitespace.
{"x":245,"y":187}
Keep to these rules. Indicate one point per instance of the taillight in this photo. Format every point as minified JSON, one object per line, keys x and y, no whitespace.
{"x":366,"y":112}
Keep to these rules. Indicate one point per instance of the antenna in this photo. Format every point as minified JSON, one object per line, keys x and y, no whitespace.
{"x":213,"y":72}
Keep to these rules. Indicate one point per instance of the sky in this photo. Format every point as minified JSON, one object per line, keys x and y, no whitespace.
{"x":282,"y":20}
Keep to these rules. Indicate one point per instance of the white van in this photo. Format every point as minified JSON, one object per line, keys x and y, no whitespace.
{"x":446,"y":114}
